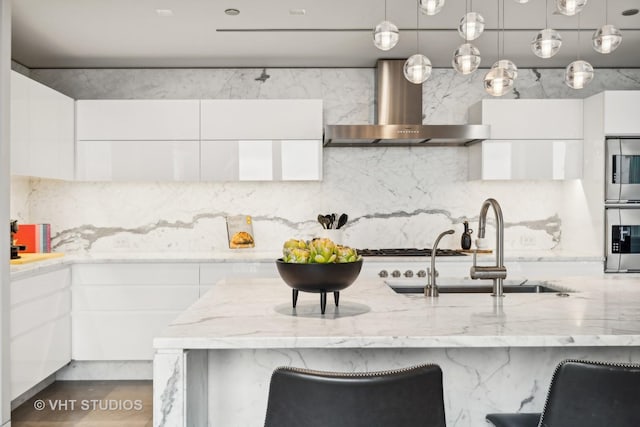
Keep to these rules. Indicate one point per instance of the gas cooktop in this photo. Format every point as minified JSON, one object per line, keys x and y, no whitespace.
{"x":408,"y":252}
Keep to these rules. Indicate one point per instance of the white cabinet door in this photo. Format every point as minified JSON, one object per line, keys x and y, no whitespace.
{"x":254,"y":119}
{"x":530,"y":118}
{"x":20,"y":155}
{"x":40,"y":331}
{"x":621,"y":113}
{"x":138,"y":161}
{"x":119,"y":308}
{"x":261,"y":160}
{"x":42,"y":130}
{"x":523,"y":160}
{"x":135,"y":119}
{"x":51,"y":133}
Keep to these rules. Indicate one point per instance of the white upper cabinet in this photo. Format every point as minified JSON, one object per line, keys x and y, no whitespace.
{"x":539,"y":139}
{"x":136,"y":120}
{"x":42,"y":130}
{"x":529,"y":118}
{"x":191,"y":140}
{"x":138,"y":140}
{"x":621,"y":113}
{"x":261,"y":140}
{"x":247,"y":119}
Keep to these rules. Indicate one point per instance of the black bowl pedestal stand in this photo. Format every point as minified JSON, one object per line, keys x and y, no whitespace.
{"x":323,"y":299}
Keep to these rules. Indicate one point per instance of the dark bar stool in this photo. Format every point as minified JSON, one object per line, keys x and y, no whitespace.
{"x":408,"y":397}
{"x":585,"y":394}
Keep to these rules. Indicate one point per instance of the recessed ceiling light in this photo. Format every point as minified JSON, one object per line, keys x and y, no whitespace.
{"x":232,"y":12}
{"x":629,"y":12}
{"x":297,"y":11}
{"x":164,"y":12}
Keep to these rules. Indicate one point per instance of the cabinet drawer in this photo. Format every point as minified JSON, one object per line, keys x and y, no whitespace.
{"x":36,"y":286}
{"x":38,"y":354}
{"x":39,"y":312}
{"x":117,"y":336}
{"x":136,"y":274}
{"x":133,"y":297}
{"x":138,"y":119}
{"x":138,"y":161}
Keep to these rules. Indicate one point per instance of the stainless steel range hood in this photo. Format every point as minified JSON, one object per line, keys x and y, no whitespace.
{"x":399,"y":118}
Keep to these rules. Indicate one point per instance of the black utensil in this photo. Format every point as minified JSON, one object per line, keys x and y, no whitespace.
{"x":333,"y":220}
{"x":342,"y":220}
{"x":322,"y":221}
{"x":327,"y":221}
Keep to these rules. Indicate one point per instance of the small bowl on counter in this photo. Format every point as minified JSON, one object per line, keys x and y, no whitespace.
{"x":319,"y":278}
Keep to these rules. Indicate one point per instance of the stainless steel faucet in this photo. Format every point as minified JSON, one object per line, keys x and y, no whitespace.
{"x":431,"y":290}
{"x":496,"y":272}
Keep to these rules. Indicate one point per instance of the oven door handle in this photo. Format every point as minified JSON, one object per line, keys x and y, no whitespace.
{"x":624,"y":231}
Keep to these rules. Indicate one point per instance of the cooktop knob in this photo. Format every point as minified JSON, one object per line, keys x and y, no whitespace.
{"x":383,"y":273}
{"x":395,"y":273}
{"x":422,"y":273}
{"x":408,"y":273}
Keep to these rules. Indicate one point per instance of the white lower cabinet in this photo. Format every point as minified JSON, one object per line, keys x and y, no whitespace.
{"x":119,"y":308}
{"x":40,"y":328}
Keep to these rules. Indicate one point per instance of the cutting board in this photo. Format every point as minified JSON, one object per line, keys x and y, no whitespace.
{"x":27,"y":258}
{"x":480,"y":251}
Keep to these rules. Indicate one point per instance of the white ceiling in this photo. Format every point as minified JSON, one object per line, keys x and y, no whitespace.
{"x":332,"y":33}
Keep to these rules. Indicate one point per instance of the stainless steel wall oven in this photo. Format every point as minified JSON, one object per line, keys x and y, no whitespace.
{"x":622,"y":205}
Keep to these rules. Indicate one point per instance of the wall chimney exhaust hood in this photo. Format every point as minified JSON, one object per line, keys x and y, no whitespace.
{"x":399,"y":118}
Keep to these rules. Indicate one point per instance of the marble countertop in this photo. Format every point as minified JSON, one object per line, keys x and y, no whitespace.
{"x":603,"y":311}
{"x":253,"y":255}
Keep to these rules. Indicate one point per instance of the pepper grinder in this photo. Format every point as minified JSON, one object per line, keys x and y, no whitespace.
{"x":465,"y":239}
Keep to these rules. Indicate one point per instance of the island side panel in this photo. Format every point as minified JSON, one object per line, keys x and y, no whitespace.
{"x":477,"y":381}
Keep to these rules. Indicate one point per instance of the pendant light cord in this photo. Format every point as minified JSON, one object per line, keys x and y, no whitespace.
{"x":385,"y":10}
{"x":546,"y":14}
{"x":579,"y":35}
{"x":417,"y":26}
{"x":606,"y":11}
{"x":502,"y":29}
{"x":498,"y":32}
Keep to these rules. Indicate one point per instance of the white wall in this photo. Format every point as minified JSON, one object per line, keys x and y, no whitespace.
{"x":395,"y":197}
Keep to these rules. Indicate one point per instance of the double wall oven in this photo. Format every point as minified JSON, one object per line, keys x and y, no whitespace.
{"x":622,"y":205}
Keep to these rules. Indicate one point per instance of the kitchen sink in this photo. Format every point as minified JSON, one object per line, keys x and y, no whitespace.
{"x":468,"y":286}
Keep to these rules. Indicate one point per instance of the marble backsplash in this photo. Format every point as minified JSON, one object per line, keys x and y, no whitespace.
{"x":395,"y":197}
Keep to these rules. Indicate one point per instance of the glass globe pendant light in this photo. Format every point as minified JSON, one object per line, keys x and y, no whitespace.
{"x":466,"y":59}
{"x":498,"y":81}
{"x":522,"y":1}
{"x":579,"y":73}
{"x":607,"y":38}
{"x":471,"y":26}
{"x":386,"y":34}
{"x":508,"y":66}
{"x":570,"y":7}
{"x":431,"y":7}
{"x":417,"y":69}
{"x":546,"y":42}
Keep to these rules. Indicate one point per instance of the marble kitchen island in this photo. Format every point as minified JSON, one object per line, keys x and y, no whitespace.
{"x":213,"y":363}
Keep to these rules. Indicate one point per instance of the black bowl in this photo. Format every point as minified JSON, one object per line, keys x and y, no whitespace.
{"x":319,"y":277}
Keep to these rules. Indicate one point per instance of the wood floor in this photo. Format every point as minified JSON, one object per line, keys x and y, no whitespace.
{"x":88,"y":404}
